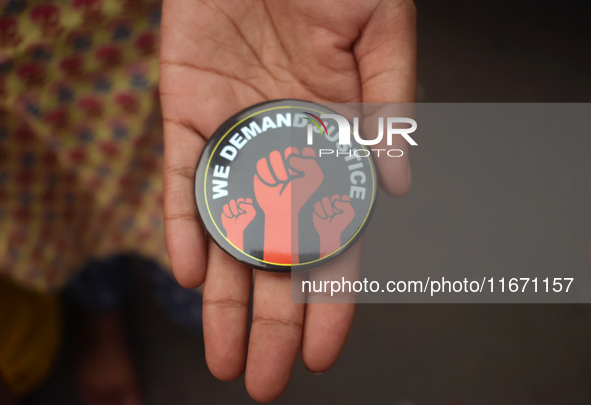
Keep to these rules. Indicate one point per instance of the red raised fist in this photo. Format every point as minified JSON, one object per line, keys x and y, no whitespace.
{"x":236,"y":216}
{"x":283,"y":183}
{"x":331,"y":217}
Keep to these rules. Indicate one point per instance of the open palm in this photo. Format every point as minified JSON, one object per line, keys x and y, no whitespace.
{"x":219,"y":57}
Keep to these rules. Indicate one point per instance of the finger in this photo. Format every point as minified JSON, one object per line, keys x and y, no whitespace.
{"x":185,"y":239}
{"x":274,"y":338}
{"x":299,"y":164}
{"x":309,"y":152}
{"x":315,"y":215}
{"x":245,"y":207}
{"x":278,"y":165}
{"x":242,"y":206}
{"x":325,"y":334}
{"x":226,"y":296}
{"x":319,"y":210}
{"x":288,"y":153}
{"x":249,"y":200}
{"x":234,"y":208}
{"x":343,"y":206}
{"x":226,"y":210}
{"x":292,"y":150}
{"x":386,"y":56}
{"x":264,"y":173}
{"x":328,"y":321}
{"x":239,"y":203}
{"x":335,"y":198}
{"x":327,"y":207}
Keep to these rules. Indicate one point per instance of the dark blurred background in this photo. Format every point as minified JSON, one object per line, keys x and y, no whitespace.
{"x":469,"y":51}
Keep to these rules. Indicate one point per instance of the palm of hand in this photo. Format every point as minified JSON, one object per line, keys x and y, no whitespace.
{"x":219,"y":57}
{"x":239,"y":54}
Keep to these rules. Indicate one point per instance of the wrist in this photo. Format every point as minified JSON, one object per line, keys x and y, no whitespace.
{"x":281,"y":244}
{"x":236,"y":238}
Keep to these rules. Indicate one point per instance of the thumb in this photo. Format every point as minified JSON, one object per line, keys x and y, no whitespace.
{"x":390,"y":55}
{"x":246,"y":207}
{"x":303,"y":164}
{"x":343,"y":206}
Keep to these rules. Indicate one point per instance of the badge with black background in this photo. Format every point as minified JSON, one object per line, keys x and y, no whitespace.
{"x":276,"y":191}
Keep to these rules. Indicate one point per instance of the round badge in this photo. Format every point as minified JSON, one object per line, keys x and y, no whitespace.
{"x":277,"y":189}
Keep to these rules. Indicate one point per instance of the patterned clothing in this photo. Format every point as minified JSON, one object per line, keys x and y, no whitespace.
{"x":80,"y":136}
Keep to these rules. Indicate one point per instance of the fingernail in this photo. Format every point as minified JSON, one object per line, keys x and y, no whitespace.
{"x":314,"y":372}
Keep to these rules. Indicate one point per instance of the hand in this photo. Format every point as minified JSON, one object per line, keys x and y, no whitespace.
{"x":282,"y":186}
{"x":219,"y":57}
{"x":236,"y":215}
{"x":331,"y":217}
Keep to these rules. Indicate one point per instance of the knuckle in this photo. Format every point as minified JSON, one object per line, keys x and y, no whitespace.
{"x":224,"y":303}
{"x":171,"y":171}
{"x":276,"y":323}
{"x":181,"y":216}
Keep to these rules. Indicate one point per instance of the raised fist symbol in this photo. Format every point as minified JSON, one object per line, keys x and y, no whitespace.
{"x":283,"y":183}
{"x":331,"y":217}
{"x":236,"y":215}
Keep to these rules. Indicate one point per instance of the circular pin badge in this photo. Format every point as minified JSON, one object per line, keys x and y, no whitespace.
{"x":278,"y":189}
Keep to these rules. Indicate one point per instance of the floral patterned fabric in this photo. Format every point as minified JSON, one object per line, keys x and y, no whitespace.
{"x":80,"y":136}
